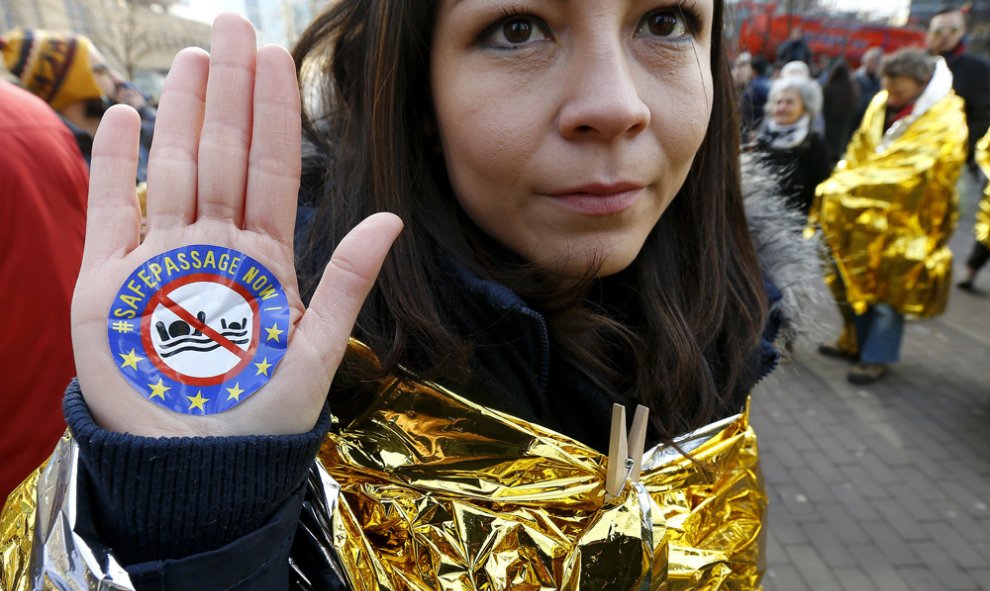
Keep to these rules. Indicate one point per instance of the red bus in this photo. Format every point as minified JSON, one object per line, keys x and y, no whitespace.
{"x":763,"y":31}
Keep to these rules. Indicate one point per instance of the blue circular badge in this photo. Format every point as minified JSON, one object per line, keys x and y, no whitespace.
{"x":199,"y":329}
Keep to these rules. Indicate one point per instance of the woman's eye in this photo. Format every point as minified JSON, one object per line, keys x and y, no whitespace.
{"x":515,"y":31}
{"x":663,"y":23}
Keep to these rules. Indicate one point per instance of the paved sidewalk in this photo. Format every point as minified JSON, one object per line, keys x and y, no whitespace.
{"x":885,"y":487}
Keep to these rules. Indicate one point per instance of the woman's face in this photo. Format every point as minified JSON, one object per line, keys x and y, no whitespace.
{"x":788,"y":108}
{"x":569,"y":125}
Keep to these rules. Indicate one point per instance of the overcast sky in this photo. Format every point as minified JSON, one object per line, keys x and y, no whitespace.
{"x":887,"y":8}
{"x":206,"y":10}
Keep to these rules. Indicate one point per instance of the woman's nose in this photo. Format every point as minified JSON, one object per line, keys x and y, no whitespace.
{"x":603,"y":100}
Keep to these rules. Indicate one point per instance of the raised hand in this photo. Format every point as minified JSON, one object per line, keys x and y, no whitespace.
{"x":223,"y":170}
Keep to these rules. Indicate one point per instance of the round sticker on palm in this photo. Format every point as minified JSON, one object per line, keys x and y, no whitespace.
{"x":199,"y":329}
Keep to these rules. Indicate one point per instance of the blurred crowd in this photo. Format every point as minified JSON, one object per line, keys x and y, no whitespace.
{"x":872,"y":156}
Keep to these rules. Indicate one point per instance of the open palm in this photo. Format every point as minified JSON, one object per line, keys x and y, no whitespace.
{"x":224,"y":170}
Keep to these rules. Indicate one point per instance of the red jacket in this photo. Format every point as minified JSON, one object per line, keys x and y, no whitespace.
{"x":43,"y":181}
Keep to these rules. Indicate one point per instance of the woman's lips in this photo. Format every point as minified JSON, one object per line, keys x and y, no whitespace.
{"x":599,"y":199}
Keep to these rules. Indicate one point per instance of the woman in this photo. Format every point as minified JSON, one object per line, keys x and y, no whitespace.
{"x":789,"y":146}
{"x":568,"y":180}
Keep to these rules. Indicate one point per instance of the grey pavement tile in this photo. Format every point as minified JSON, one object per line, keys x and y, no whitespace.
{"x":889,"y":446}
{"x":834,"y":450}
{"x":784,"y":451}
{"x":783,"y":578}
{"x":853,"y":579}
{"x":814,"y":487}
{"x":983,"y":578}
{"x":823,"y":467}
{"x":914,"y":504}
{"x":774,"y":471}
{"x":814,"y":424}
{"x":962,"y":553}
{"x":854,"y":503}
{"x":919,"y":484}
{"x":831,"y":550}
{"x":970,"y":472}
{"x":812,"y":569}
{"x":862,"y":480}
{"x":844,"y":524}
{"x":972,"y":530}
{"x":878,"y":469}
{"x":921,"y":579}
{"x":893,"y":547}
{"x":879,"y":570}
{"x":960,"y":493}
{"x":943,"y":566}
{"x":784,"y":527}
{"x":905,"y":524}
{"x":774,"y":551}
{"x":983,"y":548}
{"x":851,"y":441}
{"x":798,"y":438}
{"x":794,"y":500}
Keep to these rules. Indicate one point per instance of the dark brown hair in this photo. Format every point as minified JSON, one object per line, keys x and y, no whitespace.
{"x":695,"y":290}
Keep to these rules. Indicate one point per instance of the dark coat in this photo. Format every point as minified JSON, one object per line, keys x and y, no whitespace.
{"x":841,"y":100}
{"x":794,"y":50}
{"x":869,"y":86}
{"x":799,"y":169}
{"x":971,"y":81}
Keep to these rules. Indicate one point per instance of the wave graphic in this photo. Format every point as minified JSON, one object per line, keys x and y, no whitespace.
{"x":202,"y":339}
{"x":201,"y":344}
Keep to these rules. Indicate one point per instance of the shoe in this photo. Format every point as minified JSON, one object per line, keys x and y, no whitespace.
{"x":966,"y":284}
{"x":837,"y":353}
{"x":863,"y":374}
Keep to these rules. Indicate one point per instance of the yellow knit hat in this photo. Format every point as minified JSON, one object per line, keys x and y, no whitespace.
{"x":54,"y":66}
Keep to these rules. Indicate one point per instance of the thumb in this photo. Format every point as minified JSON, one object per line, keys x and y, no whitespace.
{"x":346,"y":282}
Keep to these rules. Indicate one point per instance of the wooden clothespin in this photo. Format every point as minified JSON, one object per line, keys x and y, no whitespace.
{"x":625,"y":452}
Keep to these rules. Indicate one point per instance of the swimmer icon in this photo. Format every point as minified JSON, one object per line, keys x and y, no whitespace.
{"x":181,"y":337}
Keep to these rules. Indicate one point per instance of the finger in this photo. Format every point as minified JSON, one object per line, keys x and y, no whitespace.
{"x":173,"y":159}
{"x":226,"y":137}
{"x":346,"y":282}
{"x":273,"y":173}
{"x":113,"y":217}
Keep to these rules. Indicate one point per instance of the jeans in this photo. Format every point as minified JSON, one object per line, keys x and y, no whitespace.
{"x":879,"y":332}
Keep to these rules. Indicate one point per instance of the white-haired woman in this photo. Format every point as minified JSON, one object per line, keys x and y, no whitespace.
{"x":788,"y":143}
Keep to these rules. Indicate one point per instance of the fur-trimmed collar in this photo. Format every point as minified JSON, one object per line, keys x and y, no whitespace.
{"x":789,"y":261}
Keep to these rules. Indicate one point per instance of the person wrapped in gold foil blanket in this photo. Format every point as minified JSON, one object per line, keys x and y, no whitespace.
{"x":981,"y":249}
{"x":888,"y":211}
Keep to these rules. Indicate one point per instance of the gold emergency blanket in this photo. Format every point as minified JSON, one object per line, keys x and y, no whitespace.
{"x":887,"y":214}
{"x":982,"y":228}
{"x":438,"y":493}
{"x":426,"y":490}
